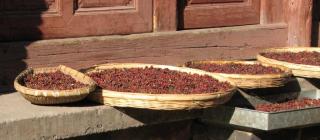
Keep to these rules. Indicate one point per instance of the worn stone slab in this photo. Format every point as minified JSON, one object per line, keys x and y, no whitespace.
{"x":202,"y":131}
{"x":20,"y":119}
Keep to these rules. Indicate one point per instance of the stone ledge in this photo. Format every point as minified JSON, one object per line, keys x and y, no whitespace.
{"x":20,"y":119}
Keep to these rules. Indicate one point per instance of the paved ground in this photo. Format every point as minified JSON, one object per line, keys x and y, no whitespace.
{"x":20,"y":119}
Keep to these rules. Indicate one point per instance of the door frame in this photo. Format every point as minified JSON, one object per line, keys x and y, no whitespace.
{"x":297,"y":14}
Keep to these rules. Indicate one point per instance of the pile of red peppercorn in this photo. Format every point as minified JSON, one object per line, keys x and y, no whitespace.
{"x":51,"y":81}
{"x":236,"y":68}
{"x":308,"y":58}
{"x":290,"y":105}
{"x":157,"y":81}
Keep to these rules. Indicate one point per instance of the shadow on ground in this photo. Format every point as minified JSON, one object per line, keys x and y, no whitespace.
{"x":19,"y":26}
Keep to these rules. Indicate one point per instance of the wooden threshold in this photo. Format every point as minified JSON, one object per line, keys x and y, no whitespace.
{"x":176,"y":47}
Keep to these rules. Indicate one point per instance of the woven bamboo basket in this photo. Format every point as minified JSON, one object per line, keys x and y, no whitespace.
{"x":300,"y":70}
{"x":159,"y":101}
{"x":49,"y":97}
{"x":250,"y":81}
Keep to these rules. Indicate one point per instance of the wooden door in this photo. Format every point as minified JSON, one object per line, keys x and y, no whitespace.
{"x":43,"y":19}
{"x":217,"y":13}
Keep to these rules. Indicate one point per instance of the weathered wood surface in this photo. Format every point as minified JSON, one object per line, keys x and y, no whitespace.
{"x":212,"y":1}
{"x":211,"y":13}
{"x":315,"y":37}
{"x":162,"y":48}
{"x":299,"y":20}
{"x":100,"y":3}
{"x":165,"y":15}
{"x":273,"y":11}
{"x":44,"y":19}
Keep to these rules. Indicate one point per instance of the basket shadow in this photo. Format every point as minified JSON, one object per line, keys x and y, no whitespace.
{"x":148,"y":116}
{"x":249,"y":98}
{"x":315,"y":82}
{"x":165,"y":131}
{"x":82,"y":103}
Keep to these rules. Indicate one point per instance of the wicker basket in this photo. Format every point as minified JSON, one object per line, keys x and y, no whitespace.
{"x":49,"y":97}
{"x":301,"y":70}
{"x":159,"y":101}
{"x":250,"y":81}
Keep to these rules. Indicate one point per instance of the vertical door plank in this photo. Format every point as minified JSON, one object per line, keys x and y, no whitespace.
{"x":164,"y":15}
{"x":273,"y":11}
{"x":299,"y":21}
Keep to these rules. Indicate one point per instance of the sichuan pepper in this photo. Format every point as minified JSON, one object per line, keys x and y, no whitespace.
{"x":308,"y":58}
{"x":51,"y":81}
{"x":290,"y":105}
{"x":236,"y":68}
{"x":157,"y":81}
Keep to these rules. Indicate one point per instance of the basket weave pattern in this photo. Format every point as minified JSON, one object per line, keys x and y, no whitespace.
{"x":159,"y":101}
{"x":250,"y":81}
{"x":300,"y":70}
{"x":54,"y":96}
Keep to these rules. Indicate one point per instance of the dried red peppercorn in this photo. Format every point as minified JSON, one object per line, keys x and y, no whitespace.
{"x":157,"y":81}
{"x":51,"y":81}
{"x":308,"y":58}
{"x":290,"y":105}
{"x":236,"y":68}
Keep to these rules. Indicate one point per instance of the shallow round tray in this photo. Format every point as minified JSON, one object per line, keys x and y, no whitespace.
{"x":159,"y":101}
{"x":251,"y":81}
{"x":300,"y":70}
{"x":49,"y":97}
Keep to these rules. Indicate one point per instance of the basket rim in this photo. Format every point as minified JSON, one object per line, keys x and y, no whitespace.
{"x":167,"y":97}
{"x":290,"y":65}
{"x":102,"y":67}
{"x":90,"y":85}
{"x":286,"y":72}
